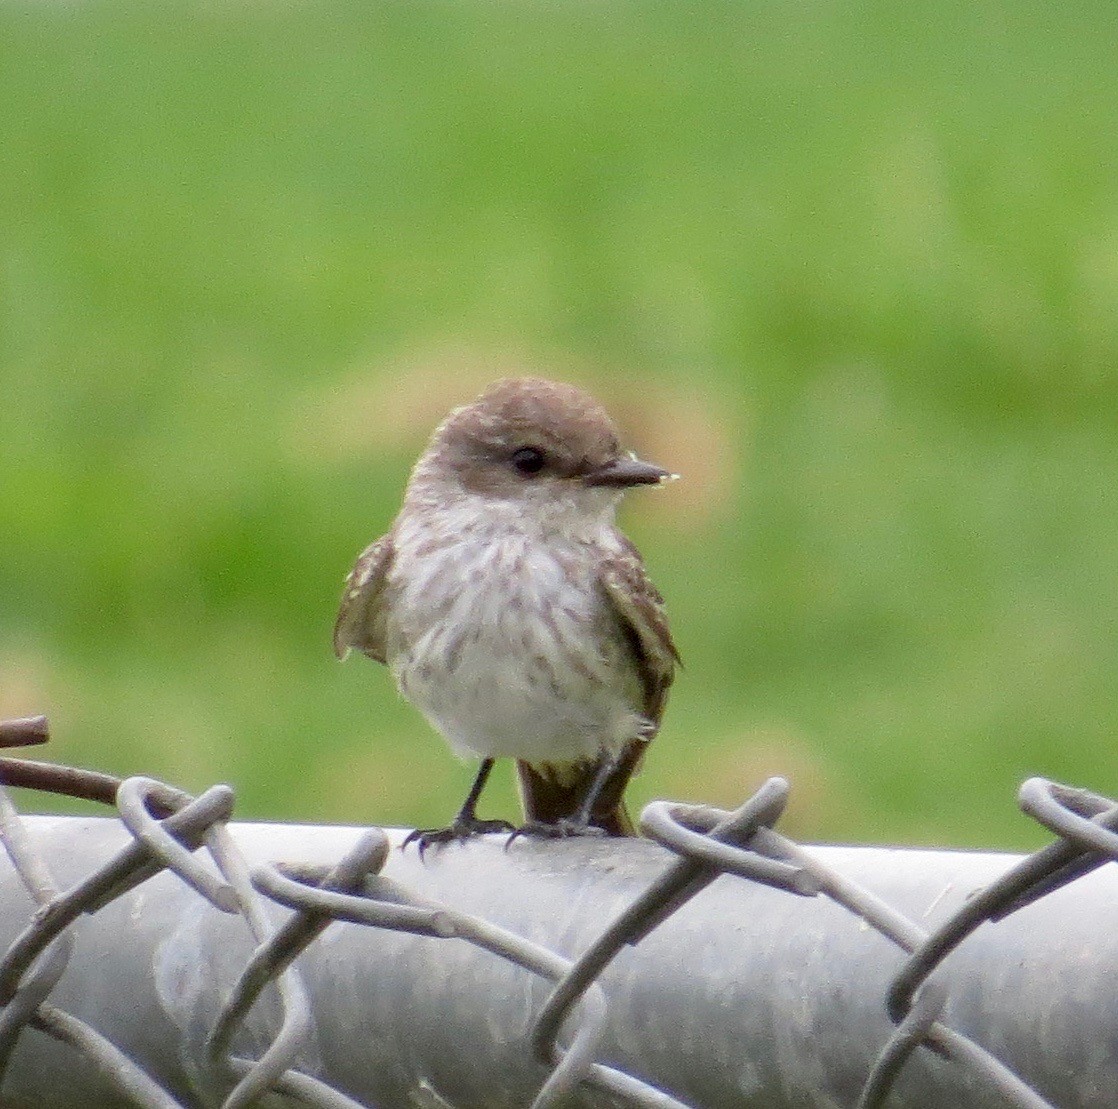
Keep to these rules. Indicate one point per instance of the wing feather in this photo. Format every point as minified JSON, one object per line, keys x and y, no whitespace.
{"x":360,"y":622}
{"x":640,"y":610}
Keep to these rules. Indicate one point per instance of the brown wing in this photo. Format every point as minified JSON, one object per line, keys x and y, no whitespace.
{"x":640,"y":609}
{"x":360,"y":622}
{"x":551,"y":793}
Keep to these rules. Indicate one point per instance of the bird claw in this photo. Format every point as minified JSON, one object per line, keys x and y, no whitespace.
{"x":563,"y":828}
{"x":458,"y":832}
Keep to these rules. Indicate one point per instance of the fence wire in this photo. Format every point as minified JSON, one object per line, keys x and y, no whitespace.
{"x":172,"y":831}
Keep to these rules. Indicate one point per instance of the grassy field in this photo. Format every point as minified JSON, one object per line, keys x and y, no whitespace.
{"x":851,"y":269}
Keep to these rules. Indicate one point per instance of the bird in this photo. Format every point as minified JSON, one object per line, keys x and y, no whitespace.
{"x":515,"y":615}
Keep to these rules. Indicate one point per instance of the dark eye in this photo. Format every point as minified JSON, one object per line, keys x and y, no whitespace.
{"x":528,"y":460}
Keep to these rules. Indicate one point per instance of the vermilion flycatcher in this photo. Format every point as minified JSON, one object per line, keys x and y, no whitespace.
{"x":514,"y":614}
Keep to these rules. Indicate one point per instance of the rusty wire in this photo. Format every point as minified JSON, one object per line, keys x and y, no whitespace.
{"x":169,"y":828}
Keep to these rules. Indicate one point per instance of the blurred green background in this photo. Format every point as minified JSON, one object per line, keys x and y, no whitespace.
{"x":851,"y":268}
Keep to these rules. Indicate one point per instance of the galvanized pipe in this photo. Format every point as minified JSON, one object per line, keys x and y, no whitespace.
{"x":748,"y":995}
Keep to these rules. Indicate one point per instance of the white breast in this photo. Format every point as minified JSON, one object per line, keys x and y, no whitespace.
{"x":509,"y":648}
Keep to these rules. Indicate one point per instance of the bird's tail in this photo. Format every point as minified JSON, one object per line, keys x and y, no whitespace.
{"x":551,"y":792}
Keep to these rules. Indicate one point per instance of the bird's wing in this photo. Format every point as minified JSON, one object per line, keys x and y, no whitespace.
{"x":360,"y":622}
{"x":640,"y":610}
{"x":550,"y":793}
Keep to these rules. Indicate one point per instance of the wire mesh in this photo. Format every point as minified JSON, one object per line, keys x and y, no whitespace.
{"x":189,"y":837}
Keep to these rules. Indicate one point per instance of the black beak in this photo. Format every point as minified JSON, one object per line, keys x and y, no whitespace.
{"x":624,"y":471}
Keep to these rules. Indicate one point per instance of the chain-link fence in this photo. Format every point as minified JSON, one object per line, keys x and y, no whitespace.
{"x":168,"y":959}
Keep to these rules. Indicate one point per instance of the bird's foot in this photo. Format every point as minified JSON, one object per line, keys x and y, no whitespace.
{"x":563,"y":828}
{"x":461,"y":830}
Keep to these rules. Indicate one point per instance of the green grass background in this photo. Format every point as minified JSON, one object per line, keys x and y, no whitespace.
{"x":851,"y":267}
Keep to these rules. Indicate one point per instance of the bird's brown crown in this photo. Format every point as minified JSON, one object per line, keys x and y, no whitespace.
{"x":527,"y":422}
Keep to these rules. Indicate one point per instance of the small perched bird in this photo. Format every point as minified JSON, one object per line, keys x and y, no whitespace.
{"x":514,"y":614}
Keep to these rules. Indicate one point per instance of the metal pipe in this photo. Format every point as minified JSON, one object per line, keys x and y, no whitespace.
{"x":748,"y":995}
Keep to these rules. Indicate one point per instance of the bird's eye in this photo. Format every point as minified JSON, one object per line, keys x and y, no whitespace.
{"x":528,"y":460}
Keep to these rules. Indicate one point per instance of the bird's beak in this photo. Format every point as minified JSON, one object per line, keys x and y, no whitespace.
{"x":626,"y":470}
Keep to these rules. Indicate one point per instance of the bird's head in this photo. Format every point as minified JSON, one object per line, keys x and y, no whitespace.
{"x":544,"y":446}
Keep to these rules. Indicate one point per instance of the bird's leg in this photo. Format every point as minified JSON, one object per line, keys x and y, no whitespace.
{"x":466,"y":823}
{"x":579,"y":824}
{"x":467,"y":816}
{"x":586,"y":809}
